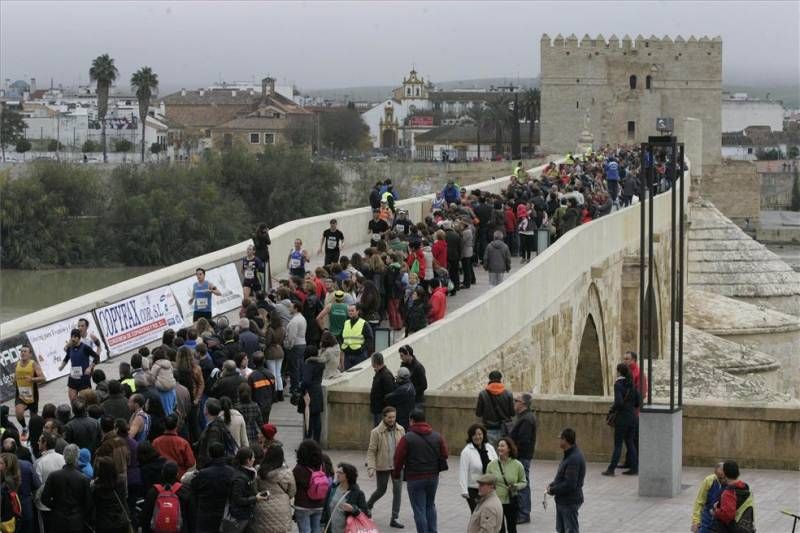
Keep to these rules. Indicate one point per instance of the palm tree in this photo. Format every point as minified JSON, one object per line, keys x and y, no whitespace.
{"x":498,"y":116}
{"x":480,"y":116}
{"x":513,"y":122}
{"x":531,"y":103}
{"x":104,"y":73}
{"x":144,"y":81}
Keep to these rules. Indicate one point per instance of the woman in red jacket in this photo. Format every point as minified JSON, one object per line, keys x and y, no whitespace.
{"x":439,"y":249}
{"x":437,"y":302}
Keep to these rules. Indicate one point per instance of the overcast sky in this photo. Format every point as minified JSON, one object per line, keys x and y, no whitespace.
{"x":342,"y":44}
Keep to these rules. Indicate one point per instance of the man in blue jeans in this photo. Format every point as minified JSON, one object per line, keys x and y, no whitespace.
{"x":422,"y":454}
{"x":567,"y":487}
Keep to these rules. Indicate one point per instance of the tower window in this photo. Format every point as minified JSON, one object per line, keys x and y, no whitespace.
{"x":648,"y":82}
{"x":631,"y":130}
{"x":577,"y":105}
{"x":632,"y":81}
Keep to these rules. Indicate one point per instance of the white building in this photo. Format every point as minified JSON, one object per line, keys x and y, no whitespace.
{"x":740,"y":112}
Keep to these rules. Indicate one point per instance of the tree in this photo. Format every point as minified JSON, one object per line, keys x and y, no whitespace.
{"x":514,"y":123}
{"x":343,"y":128}
{"x":531,"y":104}
{"x":104,"y":73}
{"x":90,"y":146}
{"x":796,"y":191}
{"x":145,"y":82}
{"x":122,"y":145}
{"x":12,"y":128}
{"x":53,"y":145}
{"x":23,"y":145}
{"x":792,"y":152}
{"x":480,"y":116}
{"x":773,"y":154}
{"x":155,"y":148}
{"x":498,"y":117}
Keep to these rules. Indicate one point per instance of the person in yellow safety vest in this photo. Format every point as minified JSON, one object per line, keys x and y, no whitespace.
{"x":520,"y":173}
{"x":569,"y":159}
{"x":357,"y":339}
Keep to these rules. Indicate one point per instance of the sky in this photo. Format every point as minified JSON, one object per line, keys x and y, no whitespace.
{"x":344,"y":44}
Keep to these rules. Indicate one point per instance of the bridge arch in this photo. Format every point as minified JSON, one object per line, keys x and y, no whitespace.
{"x":591,"y":369}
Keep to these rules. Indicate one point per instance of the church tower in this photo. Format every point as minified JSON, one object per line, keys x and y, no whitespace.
{"x":414,"y":87}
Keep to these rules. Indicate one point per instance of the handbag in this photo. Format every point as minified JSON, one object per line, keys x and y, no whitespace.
{"x":124,"y":511}
{"x":360,"y":523}
{"x":513,"y":492}
{"x":229,"y":524}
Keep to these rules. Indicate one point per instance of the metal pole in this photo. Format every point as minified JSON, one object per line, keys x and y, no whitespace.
{"x":650,"y":308}
{"x":642,"y":206}
{"x":672,"y":287}
{"x":682,"y":236}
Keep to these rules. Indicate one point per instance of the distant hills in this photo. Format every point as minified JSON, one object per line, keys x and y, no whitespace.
{"x":790,"y":96}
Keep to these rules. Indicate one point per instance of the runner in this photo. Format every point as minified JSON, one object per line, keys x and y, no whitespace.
{"x":376,"y":227}
{"x":296,"y":262}
{"x":89,"y":339}
{"x":78,"y":355}
{"x":27,"y":375}
{"x":251,"y":267}
{"x":201,"y":296}
{"x":262,"y":241}
{"x":333,"y":242}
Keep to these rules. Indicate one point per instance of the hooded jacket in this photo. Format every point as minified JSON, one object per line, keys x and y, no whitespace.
{"x":418,"y":453}
{"x":497,"y":258}
{"x":402,"y":398}
{"x":438,"y":303}
{"x":163,"y":376}
{"x":495,"y":405}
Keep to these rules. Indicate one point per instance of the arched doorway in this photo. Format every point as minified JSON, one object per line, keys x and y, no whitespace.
{"x":589,"y":375}
{"x":389,"y":139}
{"x":651,"y":332}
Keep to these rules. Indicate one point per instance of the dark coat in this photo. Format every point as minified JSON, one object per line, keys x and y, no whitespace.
{"x":243,"y":493}
{"x":214,"y":432}
{"x":311,"y":383}
{"x":67,"y":494}
{"x":417,"y":317}
{"x":495,"y":409}
{"x":454,"y":245}
{"x":227,"y":386}
{"x":402,"y":398}
{"x":355,"y":498}
{"x":567,"y":487}
{"x":110,"y":507}
{"x":83,"y":431}
{"x":418,"y":378}
{"x":382,"y":384}
{"x":248,"y":343}
{"x":210,"y":489}
{"x":150,"y":472}
{"x":116,"y":405}
{"x":523,"y":432}
{"x":624,"y":403}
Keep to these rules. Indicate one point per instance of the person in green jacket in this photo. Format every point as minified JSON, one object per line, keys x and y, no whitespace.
{"x":511,"y":479}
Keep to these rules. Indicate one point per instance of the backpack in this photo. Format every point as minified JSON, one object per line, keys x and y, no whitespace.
{"x":318,"y":484}
{"x":744,"y":521}
{"x":167,"y":510}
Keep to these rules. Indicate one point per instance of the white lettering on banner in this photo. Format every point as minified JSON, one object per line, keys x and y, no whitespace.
{"x":139,"y":320}
{"x":48,"y":344}
{"x":10,"y":356}
{"x":225,"y":278}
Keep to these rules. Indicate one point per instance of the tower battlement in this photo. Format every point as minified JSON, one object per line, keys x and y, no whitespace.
{"x":614,"y":43}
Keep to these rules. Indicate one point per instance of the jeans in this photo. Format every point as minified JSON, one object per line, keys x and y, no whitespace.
{"x":567,"y":518}
{"x":624,"y":432}
{"x":274,"y":366}
{"x":384,"y":476}
{"x":308,"y":521}
{"x":495,"y":278}
{"x":525,"y":494}
{"x":422,"y":495}
{"x":296,"y":354}
{"x":493,"y":435}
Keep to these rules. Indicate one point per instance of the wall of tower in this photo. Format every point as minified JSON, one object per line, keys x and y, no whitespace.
{"x":594,"y":74}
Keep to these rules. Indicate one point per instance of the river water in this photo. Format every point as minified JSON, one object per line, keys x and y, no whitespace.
{"x":27,"y":291}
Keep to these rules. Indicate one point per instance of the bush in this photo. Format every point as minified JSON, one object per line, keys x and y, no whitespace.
{"x":793,"y":152}
{"x":53,"y":145}
{"x":156,"y":148}
{"x":90,"y":146}
{"x":122,"y":145}
{"x":23,"y":145}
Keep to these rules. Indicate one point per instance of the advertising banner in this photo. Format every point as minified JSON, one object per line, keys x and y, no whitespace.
{"x":421,"y":120}
{"x":138,"y":320}
{"x":225,"y":278}
{"x":48,"y":344}
{"x":9,"y":355}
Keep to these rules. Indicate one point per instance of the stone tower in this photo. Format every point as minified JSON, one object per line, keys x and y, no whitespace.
{"x":625,"y":85}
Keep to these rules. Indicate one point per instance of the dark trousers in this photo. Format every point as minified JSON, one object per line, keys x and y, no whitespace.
{"x":296,"y":354}
{"x":623,"y":432}
{"x":422,"y":495}
{"x":525,"y":494}
{"x":472,"y":498}
{"x":314,"y":427}
{"x":511,"y":241}
{"x":384,"y":477}
{"x":352,"y":359}
{"x":627,"y":462}
{"x":527,"y":244}
{"x":567,"y":518}
{"x":510,"y":511}
{"x":331,"y":256}
{"x":613,"y":189}
{"x":452,"y":271}
{"x":469,"y":272}
{"x":481,"y":242}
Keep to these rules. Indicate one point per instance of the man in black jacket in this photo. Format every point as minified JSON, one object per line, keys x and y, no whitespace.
{"x":214,"y":433}
{"x":495,"y":406}
{"x":210,"y":489}
{"x":82,"y":430}
{"x":567,"y":487}
{"x":454,"y":247}
{"x":116,"y":404}
{"x":418,"y":377}
{"x":382,"y":384}
{"x":66,"y":493}
{"x":523,"y":432}
{"x":262,"y":385}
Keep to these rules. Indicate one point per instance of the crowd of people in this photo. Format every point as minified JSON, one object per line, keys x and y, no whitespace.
{"x":181,"y":440}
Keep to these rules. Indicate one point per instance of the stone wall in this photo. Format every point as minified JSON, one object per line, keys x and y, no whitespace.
{"x":756,"y":435}
{"x":734,"y":187}
{"x":594,"y":76}
{"x":776,"y":190}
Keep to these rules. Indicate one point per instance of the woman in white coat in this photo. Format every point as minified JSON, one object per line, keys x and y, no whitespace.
{"x":475,"y":457}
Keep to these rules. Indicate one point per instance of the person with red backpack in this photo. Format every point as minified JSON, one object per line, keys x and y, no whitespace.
{"x":166,"y":505}
{"x":312,"y":486}
{"x":734,"y":513}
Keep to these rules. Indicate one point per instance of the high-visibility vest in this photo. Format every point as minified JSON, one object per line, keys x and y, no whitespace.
{"x":130,"y":383}
{"x":353,"y":335}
